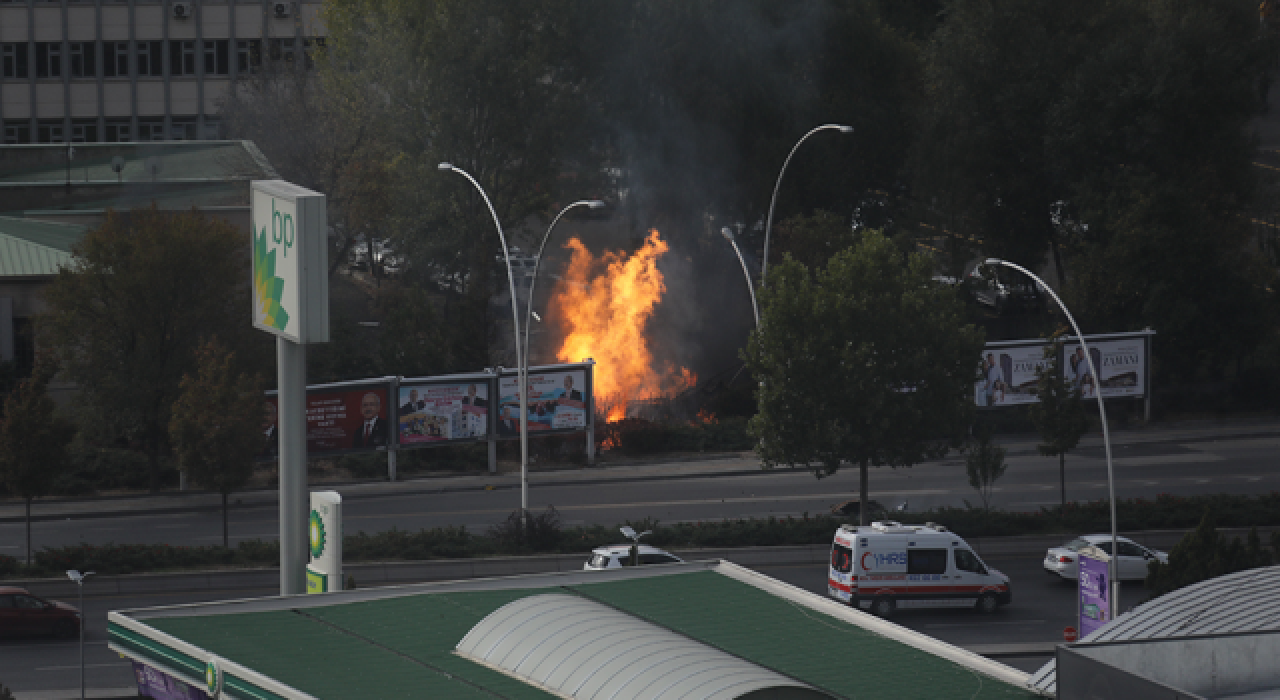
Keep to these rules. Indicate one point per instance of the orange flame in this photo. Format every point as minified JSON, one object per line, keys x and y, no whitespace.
{"x":606,"y":313}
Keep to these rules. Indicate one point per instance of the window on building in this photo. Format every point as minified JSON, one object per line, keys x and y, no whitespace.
{"x":83,"y":63}
{"x":84,"y":131}
{"x":151,"y":130}
{"x":50,"y":132}
{"x":248,"y":55}
{"x":183,"y":129}
{"x":115,"y":59}
{"x":215,"y":57}
{"x":17,"y":132}
{"x":150,"y":58}
{"x":212,"y":129}
{"x":118,"y":131}
{"x":49,"y":59}
{"x":312,"y":48}
{"x":182,"y":58}
{"x":281,"y":50}
{"x":13,"y":60}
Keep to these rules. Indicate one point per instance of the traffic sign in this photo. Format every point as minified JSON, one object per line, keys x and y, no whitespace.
{"x":1069,"y":634}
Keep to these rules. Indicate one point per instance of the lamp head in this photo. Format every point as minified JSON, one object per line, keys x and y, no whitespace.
{"x":727,"y":233}
{"x":445,"y":166}
{"x":845,"y":128}
{"x":595,"y":204}
{"x":993,"y":261}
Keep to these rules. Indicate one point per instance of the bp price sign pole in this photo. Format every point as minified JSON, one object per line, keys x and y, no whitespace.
{"x":291,"y":301}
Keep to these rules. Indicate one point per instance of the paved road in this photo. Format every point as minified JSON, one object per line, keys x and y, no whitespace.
{"x":1238,"y":465}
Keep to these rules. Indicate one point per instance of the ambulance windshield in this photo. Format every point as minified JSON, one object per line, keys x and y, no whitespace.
{"x":841,"y":559}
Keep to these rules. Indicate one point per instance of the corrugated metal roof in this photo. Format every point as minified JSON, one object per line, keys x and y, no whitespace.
{"x":577,"y":648}
{"x":1246,"y":601}
{"x":31,"y":248}
{"x":143,"y":162}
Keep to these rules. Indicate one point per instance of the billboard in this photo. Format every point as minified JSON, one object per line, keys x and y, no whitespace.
{"x":558,"y":401}
{"x":1007,"y":375}
{"x":440,"y":412}
{"x":340,"y":419}
{"x":1095,"y":604}
{"x":290,"y":271}
{"x":1121,"y":364}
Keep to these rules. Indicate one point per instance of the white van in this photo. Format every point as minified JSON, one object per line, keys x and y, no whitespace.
{"x":890,"y":565}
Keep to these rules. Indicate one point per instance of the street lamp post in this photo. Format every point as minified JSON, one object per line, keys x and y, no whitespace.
{"x":523,"y":371}
{"x":537,"y":263}
{"x":79,"y":579}
{"x":768,"y":223}
{"x":1102,"y":413}
{"x":728,"y":235}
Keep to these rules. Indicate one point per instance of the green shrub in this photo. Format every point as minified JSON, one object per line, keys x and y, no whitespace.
{"x":8,"y":565}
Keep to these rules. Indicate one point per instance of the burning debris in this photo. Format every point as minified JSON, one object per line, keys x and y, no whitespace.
{"x":606,"y":302}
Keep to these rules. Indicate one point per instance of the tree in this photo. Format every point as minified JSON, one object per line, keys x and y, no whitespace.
{"x":867,"y":361}
{"x":1112,"y":137}
{"x":984,"y":464}
{"x":33,"y":442}
{"x":216,"y":426}
{"x":1204,"y":553}
{"x":1059,"y":414}
{"x":126,"y":316}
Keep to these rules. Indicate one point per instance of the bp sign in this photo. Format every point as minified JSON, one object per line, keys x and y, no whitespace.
{"x":290,"y":262}
{"x":324,"y":535}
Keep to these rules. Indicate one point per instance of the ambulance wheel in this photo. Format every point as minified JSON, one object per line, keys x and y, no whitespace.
{"x":987,"y":603}
{"x":882,"y":607}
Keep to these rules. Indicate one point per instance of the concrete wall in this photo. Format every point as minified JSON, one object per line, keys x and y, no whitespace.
{"x":1206,"y":666}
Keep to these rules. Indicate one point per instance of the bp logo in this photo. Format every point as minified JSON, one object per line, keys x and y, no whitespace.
{"x":267,"y":287}
{"x":317,"y":535}
{"x":213,"y":677}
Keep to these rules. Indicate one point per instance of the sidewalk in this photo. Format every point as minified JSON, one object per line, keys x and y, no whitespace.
{"x":653,"y":469}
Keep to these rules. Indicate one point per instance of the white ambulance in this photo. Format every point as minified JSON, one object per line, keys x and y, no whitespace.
{"x":890,"y":565}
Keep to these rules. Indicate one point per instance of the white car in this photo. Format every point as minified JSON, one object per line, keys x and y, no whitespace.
{"x":619,"y":555}
{"x":1132,"y":564}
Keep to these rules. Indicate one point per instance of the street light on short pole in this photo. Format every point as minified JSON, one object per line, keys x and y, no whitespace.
{"x":728,"y":235}
{"x":1102,"y":413}
{"x":79,"y":579}
{"x":523,"y":371}
{"x":768,"y":225}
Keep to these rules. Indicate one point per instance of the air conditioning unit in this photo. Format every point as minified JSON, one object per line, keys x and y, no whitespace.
{"x":181,"y":10}
{"x":282,"y":9}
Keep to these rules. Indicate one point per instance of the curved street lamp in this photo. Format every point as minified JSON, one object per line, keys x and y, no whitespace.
{"x":523,"y":368}
{"x":1106,"y":434}
{"x":728,"y":235}
{"x":768,"y":224}
{"x":537,"y":263}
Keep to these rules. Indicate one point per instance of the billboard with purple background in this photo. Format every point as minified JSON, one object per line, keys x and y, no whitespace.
{"x":1095,"y":604}
{"x":161,"y":686}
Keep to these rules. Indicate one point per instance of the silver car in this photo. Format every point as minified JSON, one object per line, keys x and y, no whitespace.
{"x":1131,"y":566}
{"x":619,"y":555}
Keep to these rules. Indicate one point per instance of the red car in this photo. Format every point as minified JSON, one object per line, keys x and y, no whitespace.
{"x":24,"y":615}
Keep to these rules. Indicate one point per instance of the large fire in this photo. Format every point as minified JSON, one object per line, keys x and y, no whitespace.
{"x":606,"y":302}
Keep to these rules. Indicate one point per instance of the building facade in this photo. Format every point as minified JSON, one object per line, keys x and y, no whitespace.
{"x":85,"y":71}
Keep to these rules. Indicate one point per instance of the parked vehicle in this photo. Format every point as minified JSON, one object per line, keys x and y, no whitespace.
{"x":619,"y":555}
{"x":889,"y":565}
{"x":1132,"y":565}
{"x":26,"y":615}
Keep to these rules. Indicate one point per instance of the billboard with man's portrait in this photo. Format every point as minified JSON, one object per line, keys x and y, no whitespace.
{"x":558,"y":401}
{"x":430,"y":412}
{"x":1007,"y":375}
{"x":339,"y":419}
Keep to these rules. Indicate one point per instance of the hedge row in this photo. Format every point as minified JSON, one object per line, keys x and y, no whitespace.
{"x":547,"y":535}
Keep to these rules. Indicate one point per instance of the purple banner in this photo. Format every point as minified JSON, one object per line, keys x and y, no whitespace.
{"x":1095,"y":603}
{"x":161,"y":686}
